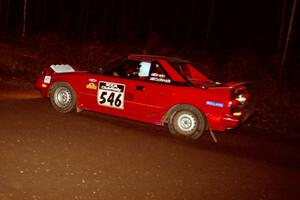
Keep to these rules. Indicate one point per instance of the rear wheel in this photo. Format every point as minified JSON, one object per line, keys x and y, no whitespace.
{"x":63,"y":97}
{"x":186,"y":121}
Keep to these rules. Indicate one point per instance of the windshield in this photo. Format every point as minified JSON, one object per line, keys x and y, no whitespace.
{"x":102,"y":69}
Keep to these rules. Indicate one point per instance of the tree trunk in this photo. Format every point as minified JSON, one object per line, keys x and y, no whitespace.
{"x":85,"y":26}
{"x":7,"y":16}
{"x":1,"y":13}
{"x":124,"y":24}
{"x":175,"y":25}
{"x":282,"y":26}
{"x":191,"y":22}
{"x":210,"y":19}
{"x":84,"y":16}
{"x":1,"y":4}
{"x":283,"y":60}
{"x":24,"y":19}
{"x":63,"y":19}
{"x":105,"y":18}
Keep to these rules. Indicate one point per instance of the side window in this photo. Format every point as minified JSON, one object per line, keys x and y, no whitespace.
{"x":158,"y":74}
{"x":139,"y":70}
{"x":131,"y":69}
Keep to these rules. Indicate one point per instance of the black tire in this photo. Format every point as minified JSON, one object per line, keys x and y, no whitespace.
{"x":186,"y":121}
{"x":63,"y":98}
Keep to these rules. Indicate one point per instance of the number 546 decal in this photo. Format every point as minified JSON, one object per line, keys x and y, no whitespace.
{"x":111,"y":94}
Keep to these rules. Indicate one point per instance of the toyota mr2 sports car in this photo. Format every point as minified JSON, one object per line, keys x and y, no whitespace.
{"x":152,"y":89}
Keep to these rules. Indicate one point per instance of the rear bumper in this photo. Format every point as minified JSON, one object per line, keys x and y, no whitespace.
{"x":232,"y":122}
{"x":228,"y":121}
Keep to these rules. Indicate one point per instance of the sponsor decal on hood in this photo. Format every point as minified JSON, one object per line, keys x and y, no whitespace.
{"x":91,"y":86}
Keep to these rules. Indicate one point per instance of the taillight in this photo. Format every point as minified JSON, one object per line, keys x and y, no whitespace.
{"x":238,"y":100}
{"x":239,"y":96}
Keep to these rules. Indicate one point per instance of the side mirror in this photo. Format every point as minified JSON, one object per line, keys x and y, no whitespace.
{"x":100,"y":70}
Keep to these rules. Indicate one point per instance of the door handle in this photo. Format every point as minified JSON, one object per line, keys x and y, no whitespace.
{"x":139,"y":87}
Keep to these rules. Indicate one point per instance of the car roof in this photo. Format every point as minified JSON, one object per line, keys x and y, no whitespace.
{"x":155,"y":57}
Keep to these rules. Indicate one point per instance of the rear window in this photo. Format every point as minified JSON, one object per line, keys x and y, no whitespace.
{"x":193,"y":71}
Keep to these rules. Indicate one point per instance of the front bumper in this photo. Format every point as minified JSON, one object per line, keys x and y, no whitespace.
{"x":42,"y":87}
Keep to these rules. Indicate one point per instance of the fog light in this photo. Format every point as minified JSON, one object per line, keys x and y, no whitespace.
{"x":237,"y":114}
{"x":44,"y":85}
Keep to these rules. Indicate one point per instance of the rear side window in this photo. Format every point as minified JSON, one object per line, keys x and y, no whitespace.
{"x":189,"y":71}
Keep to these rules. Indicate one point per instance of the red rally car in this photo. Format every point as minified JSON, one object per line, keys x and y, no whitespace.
{"x":152,"y":89}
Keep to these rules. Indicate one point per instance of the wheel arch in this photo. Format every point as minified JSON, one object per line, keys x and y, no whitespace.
{"x":64,"y":82}
{"x":169,"y":113}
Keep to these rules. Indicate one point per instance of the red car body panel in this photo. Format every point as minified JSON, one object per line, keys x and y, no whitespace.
{"x":150,"y":102}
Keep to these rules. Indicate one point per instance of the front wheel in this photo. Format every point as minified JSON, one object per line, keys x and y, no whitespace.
{"x":186,"y":121}
{"x":63,"y":97}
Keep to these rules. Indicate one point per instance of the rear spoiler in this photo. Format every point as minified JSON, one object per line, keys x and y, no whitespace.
{"x":240,"y":84}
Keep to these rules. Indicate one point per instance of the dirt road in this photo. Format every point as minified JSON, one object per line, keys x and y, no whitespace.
{"x":48,"y":155}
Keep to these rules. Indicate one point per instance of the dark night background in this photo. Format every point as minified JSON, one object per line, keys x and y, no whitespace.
{"x":254,"y":24}
{"x":181,"y":24}
{"x":242,"y":42}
